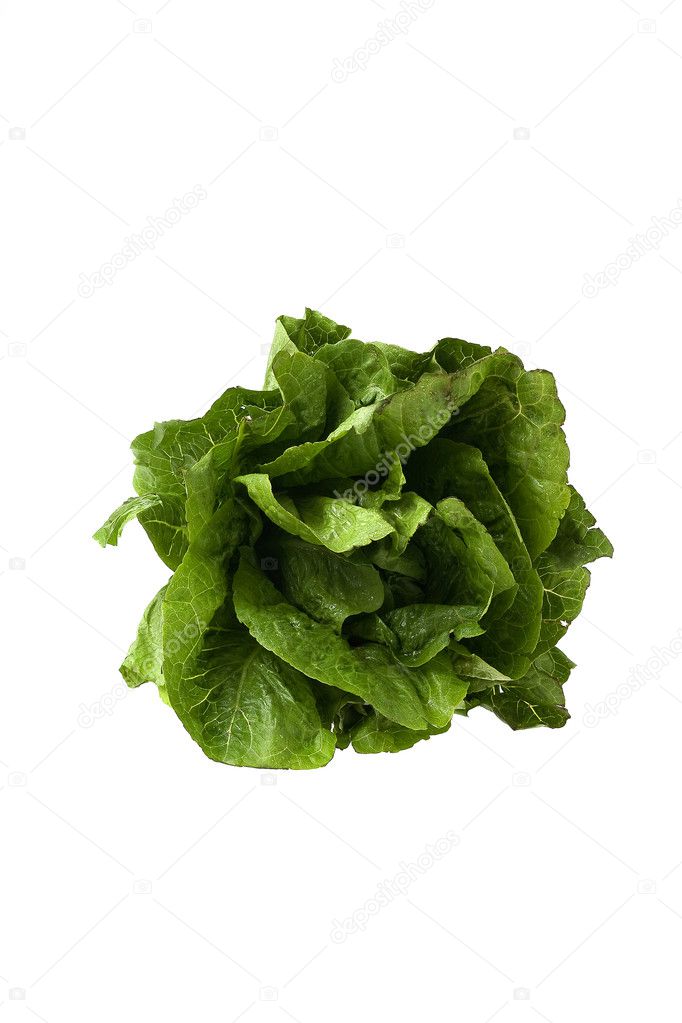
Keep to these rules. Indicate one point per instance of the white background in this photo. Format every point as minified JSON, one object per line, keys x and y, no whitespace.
{"x":140,"y":880}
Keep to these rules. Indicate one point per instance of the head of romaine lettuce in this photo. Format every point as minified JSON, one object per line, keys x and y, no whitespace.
{"x":377,"y":540}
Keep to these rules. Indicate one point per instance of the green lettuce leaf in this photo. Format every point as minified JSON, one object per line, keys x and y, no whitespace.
{"x":415,"y":699}
{"x":144,"y":660}
{"x":110,"y":532}
{"x":515,"y":420}
{"x":319,"y":520}
{"x":327,"y":586}
{"x":376,"y":734}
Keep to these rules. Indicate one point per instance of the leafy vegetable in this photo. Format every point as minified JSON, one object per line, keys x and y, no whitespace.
{"x":376,"y":541}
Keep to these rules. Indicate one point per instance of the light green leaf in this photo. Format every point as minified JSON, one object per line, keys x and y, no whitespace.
{"x":144,"y":660}
{"x":406,"y":515}
{"x":334,"y":523}
{"x":110,"y":532}
{"x":376,"y":734}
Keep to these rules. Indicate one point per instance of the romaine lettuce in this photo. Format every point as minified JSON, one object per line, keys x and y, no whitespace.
{"x":376,"y":541}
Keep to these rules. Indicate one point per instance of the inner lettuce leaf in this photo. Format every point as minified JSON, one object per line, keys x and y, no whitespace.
{"x":425,"y":696}
{"x":513,"y":620}
{"x":377,"y":540}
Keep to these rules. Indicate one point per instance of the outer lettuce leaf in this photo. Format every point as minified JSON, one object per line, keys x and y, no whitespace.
{"x":561,"y":568}
{"x":376,"y":734}
{"x":453,"y":354}
{"x":238,"y":701}
{"x":362,"y":369}
{"x":514,"y":617}
{"x":255,"y":710}
{"x":110,"y":532}
{"x":406,"y":365}
{"x":241,"y":421}
{"x":144,"y":660}
{"x":537,"y":698}
{"x":515,"y":421}
{"x":313,"y":331}
{"x":197,"y":591}
{"x":165,"y":454}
